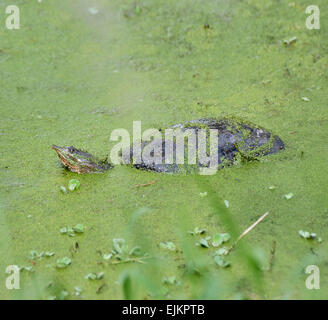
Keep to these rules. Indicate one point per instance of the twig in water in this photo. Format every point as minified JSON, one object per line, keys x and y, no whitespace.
{"x":272,"y":252}
{"x":145,"y":184}
{"x":247,"y":231}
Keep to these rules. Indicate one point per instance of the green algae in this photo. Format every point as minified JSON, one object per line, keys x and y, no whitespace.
{"x":158,"y":64}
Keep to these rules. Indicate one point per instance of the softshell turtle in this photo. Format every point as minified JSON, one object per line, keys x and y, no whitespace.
{"x":237,"y":141}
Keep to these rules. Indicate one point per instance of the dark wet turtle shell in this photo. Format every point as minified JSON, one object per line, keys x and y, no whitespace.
{"x":237,"y":141}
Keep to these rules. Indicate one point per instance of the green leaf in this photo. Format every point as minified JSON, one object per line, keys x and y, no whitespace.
{"x":136,"y":251}
{"x":121,"y":251}
{"x":33,"y":254}
{"x":24,"y":268}
{"x":221,"y":252}
{"x":77,"y":291}
{"x":63,"y":262}
{"x":225,"y":236}
{"x":117,"y":244}
{"x":49,"y":254}
{"x":168,"y":245}
{"x":70,"y":232}
{"x":79,"y":228}
{"x":288,"y":196}
{"x":197,"y":231}
{"x":272,"y":187}
{"x":220,"y":238}
{"x":290,"y":41}
{"x":73,"y":184}
{"x":107,"y":256}
{"x":203,"y":194}
{"x":63,"y":189}
{"x":170,"y":280}
{"x":204,"y":243}
{"x":91,"y":276}
{"x":226,"y":203}
{"x":63,"y":230}
{"x":221,"y":262}
{"x":308,"y":235}
{"x":94,"y":276}
{"x":304,"y":234}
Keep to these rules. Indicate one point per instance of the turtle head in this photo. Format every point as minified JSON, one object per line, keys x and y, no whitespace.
{"x":79,"y":161}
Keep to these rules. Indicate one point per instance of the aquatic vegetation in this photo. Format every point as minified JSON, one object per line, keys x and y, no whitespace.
{"x":162,"y":73}
{"x":63,"y":262}
{"x":73,"y":184}
{"x":95,"y":276}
